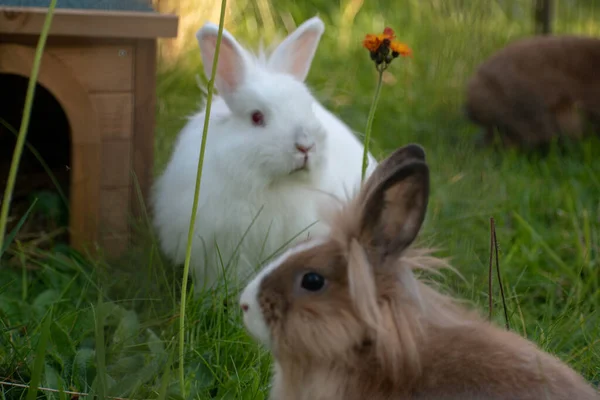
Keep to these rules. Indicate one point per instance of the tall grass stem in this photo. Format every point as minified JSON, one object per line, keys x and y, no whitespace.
{"x":365,"y":160}
{"x":491,"y":271}
{"x":14,"y":166}
{"x":188,"y":252}
{"x":495,"y":239}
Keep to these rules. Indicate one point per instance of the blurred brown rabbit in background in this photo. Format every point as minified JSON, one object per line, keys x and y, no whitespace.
{"x":536,"y":89}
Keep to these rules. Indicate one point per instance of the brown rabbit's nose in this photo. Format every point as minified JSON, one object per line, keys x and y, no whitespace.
{"x":245,"y":307}
{"x":304,"y":149}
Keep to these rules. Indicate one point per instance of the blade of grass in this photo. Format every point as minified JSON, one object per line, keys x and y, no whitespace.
{"x":40,"y":355}
{"x":11,"y":236}
{"x":496,"y":251}
{"x":14,"y":166}
{"x":225,"y":267}
{"x":188,"y":253}
{"x":551,"y":253}
{"x":24,"y":280}
{"x":577,"y":231}
{"x":100,"y":354}
{"x":490,"y":271}
{"x":61,"y":394}
{"x":164,"y":381}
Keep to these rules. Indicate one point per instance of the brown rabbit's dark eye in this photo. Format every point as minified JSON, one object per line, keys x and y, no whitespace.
{"x":312,"y":282}
{"x":258,"y":119}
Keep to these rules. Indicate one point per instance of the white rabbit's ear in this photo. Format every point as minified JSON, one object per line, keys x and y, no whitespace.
{"x":295,"y":54}
{"x":231,"y":66}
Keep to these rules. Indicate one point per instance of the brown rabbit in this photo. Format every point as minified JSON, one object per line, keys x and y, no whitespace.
{"x":346,"y":318}
{"x":536,"y":89}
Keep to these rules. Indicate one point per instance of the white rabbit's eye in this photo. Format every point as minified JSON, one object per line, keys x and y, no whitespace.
{"x":258,"y":118}
{"x":312,"y":282}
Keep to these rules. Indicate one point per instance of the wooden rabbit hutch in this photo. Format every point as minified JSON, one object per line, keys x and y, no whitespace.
{"x":98,"y":71}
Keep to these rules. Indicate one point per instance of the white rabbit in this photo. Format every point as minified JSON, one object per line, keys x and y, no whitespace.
{"x":274,"y":157}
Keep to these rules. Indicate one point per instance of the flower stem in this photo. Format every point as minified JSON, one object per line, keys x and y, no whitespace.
{"x":188,"y":252}
{"x":365,"y":160}
{"x":14,"y":166}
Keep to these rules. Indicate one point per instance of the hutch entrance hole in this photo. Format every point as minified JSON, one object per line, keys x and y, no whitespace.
{"x":49,"y":139}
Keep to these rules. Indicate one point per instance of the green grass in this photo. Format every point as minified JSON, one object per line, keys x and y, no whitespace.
{"x":114,"y":326}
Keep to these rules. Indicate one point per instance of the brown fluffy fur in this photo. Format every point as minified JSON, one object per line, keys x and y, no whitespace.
{"x":377,"y":332}
{"x":536,"y":89}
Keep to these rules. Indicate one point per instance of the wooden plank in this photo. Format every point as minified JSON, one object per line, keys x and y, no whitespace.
{"x":85,"y":194}
{"x":144,"y":121}
{"x":114,"y":245}
{"x":62,"y":41}
{"x":99,"y":68}
{"x":115,"y":114}
{"x":91,"y":23}
{"x":55,"y":76}
{"x":114,"y":211}
{"x":116,"y":163}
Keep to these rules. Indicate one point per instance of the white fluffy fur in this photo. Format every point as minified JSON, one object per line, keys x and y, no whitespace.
{"x":247,"y":168}
{"x":253,"y":317}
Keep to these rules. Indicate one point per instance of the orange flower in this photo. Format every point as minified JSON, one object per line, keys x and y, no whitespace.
{"x":383,"y":48}
{"x":389,"y":33}
{"x":372,"y":42}
{"x":400,"y":48}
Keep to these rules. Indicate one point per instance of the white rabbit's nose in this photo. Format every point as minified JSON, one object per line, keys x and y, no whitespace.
{"x":304,"y":143}
{"x":245,"y":307}
{"x":304,"y":148}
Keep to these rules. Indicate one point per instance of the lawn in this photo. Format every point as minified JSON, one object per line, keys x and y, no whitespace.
{"x":111,"y":327}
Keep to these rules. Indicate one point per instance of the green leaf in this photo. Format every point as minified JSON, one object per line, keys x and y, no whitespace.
{"x":40,"y":354}
{"x":164,"y":382}
{"x":46,"y":299}
{"x":127,"y":365}
{"x":203,"y":377}
{"x":84,"y":368}
{"x":129,"y":383}
{"x":52,"y":379}
{"x":61,"y":341}
{"x":127,"y":330}
{"x":49,"y":204}
{"x":155,"y":344}
{"x":96,"y":389}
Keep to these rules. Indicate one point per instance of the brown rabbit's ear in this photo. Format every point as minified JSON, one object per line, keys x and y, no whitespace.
{"x":395,"y":201}
{"x":409,"y":152}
